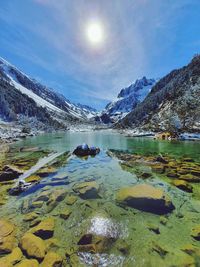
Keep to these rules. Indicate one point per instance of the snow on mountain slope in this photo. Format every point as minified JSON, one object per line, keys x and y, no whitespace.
{"x":42,"y":95}
{"x":128,"y":98}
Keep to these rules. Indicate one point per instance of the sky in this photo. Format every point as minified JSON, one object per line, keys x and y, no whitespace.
{"x":47,"y":39}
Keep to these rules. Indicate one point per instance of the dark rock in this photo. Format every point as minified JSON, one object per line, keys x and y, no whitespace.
{"x":9,"y":173}
{"x":85,"y":150}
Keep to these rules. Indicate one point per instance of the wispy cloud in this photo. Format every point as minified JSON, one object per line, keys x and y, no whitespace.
{"x":51,"y":34}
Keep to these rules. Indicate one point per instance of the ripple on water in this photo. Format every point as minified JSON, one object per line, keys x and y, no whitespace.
{"x":108,"y":228}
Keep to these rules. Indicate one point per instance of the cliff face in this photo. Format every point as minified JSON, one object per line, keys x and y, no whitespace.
{"x":172,"y":104}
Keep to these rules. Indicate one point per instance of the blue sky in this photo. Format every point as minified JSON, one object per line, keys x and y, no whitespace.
{"x":46,"y":39}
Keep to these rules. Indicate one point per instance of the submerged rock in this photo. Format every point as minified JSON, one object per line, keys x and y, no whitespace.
{"x":44,"y":229}
{"x":7,"y":238}
{"x":9,"y":173}
{"x":65,"y":214}
{"x":146,"y":198}
{"x":21,"y":187}
{"x":85,"y":150}
{"x":183,"y":185}
{"x":52,"y":259}
{"x":13,"y":258}
{"x":87,"y":190}
{"x":33,"y":246}
{"x":28,"y":263}
{"x":196,"y":232}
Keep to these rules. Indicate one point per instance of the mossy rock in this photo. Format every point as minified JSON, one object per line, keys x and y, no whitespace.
{"x":146,"y":198}
{"x":52,"y":259}
{"x":44,"y":229}
{"x":87,"y":190}
{"x":183,"y":185}
{"x":33,"y":179}
{"x":33,"y":246}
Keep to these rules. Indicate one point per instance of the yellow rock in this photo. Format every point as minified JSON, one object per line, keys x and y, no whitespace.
{"x":12,"y":258}
{"x":145,"y":197}
{"x":6,"y":228}
{"x":196,"y":232}
{"x":45,"y":229}
{"x":33,"y":246}
{"x":37,"y":204}
{"x":7,"y":244}
{"x":33,"y":178}
{"x":28,"y":263}
{"x":52,"y":243}
{"x":183,"y":185}
{"x":70,"y":200}
{"x":52,"y":259}
{"x":87,"y":189}
{"x":30,"y":216}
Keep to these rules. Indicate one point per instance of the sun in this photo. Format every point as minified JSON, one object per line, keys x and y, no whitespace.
{"x":95,"y":33}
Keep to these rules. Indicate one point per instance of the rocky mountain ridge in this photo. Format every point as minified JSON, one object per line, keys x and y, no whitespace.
{"x":173,"y":103}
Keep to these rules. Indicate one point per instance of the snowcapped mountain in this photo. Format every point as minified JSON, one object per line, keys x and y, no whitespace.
{"x":128,"y":98}
{"x":58,"y":107}
{"x":173,"y":103}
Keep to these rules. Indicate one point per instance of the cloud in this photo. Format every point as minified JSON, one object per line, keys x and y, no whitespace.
{"x":51,"y":34}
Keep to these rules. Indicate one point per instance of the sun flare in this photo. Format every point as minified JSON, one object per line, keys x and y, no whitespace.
{"x":95,"y":33}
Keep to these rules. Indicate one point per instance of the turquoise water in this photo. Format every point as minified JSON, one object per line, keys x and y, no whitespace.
{"x":125,"y":231}
{"x":111,"y":140}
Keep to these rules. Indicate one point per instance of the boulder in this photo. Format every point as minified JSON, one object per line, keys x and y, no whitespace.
{"x":6,"y":228}
{"x":9,"y":173}
{"x":183,"y":185}
{"x":33,"y":179}
{"x":52,"y":259}
{"x":85,"y":150}
{"x":30,"y":217}
{"x":190,"y":178}
{"x":196,"y":232}
{"x":46,"y":171}
{"x":70,"y":200}
{"x":13,"y":258}
{"x":87,"y":190}
{"x":33,"y":246}
{"x":65,"y":214}
{"x":146,"y":198}
{"x":28,"y":263}
{"x":7,"y":238}
{"x":44,"y":229}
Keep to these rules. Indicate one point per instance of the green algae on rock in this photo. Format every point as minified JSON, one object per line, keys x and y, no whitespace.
{"x":87,"y":190}
{"x":33,"y":246}
{"x":146,"y":198}
{"x":44,"y":229}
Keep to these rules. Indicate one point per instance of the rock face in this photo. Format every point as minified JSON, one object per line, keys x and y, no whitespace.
{"x":45,"y":229}
{"x":173,"y":103}
{"x":9,"y":173}
{"x":33,"y":246}
{"x":129,"y":98}
{"x":146,"y":198}
{"x":85,"y":150}
{"x":87,"y":190}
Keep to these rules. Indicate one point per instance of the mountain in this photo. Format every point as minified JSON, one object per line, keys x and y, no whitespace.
{"x":23,"y":97}
{"x":127,"y":100}
{"x":172,"y":104}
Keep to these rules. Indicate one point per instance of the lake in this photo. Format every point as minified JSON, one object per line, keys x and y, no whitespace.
{"x":89,"y":226}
